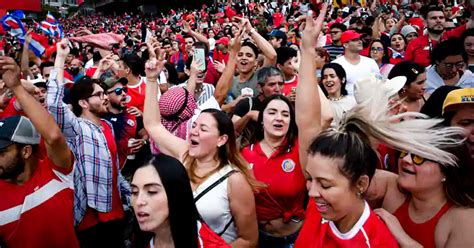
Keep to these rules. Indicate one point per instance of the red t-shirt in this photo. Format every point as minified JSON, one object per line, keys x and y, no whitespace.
{"x":418,"y":50}
{"x":39,"y":213}
{"x":423,"y":233}
{"x":277,"y":19}
{"x":220,"y":56}
{"x":369,"y":231}
{"x":10,"y":110}
{"x":92,"y":216}
{"x":286,"y":186}
{"x":129,"y":130}
{"x":136,"y":95}
{"x":289,"y":85}
{"x":212,"y":75}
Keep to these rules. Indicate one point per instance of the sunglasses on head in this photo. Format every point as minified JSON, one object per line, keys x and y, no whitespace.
{"x":417,"y":160}
{"x":118,"y":91}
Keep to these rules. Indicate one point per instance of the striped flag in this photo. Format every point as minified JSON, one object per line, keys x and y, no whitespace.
{"x":13,"y":25}
{"x":50,"y":18}
{"x":38,"y":43}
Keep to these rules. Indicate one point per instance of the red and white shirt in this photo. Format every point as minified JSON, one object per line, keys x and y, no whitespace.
{"x":136,"y":95}
{"x":369,"y":231}
{"x":289,"y":85}
{"x":39,"y":213}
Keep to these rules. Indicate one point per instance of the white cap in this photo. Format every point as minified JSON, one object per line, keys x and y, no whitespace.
{"x":364,"y":87}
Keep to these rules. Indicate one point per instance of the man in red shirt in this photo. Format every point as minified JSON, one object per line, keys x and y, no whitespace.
{"x":221,"y":54}
{"x":286,"y":64}
{"x":37,"y":194}
{"x":419,"y":50}
{"x":277,"y":18}
{"x":130,"y":68}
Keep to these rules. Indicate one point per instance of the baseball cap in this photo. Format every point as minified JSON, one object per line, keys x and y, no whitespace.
{"x":111,"y":81}
{"x":349,"y":35}
{"x":458,"y":97}
{"x":223,"y":41}
{"x":277,"y":33}
{"x":18,"y":129}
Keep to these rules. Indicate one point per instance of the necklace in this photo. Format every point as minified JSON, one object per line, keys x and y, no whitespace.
{"x":336,"y":99}
{"x":198,"y":90}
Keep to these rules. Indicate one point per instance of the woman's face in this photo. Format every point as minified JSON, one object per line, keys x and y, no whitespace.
{"x":469,"y":46}
{"x":329,"y":188}
{"x":332,"y":83}
{"x":276,"y":119}
{"x":149,"y":199}
{"x":416,"y":89}
{"x":211,"y":34}
{"x":246,"y":60}
{"x":415,"y":178}
{"x":376,"y":51}
{"x":320,"y":60}
{"x":204,"y":138}
{"x":389,"y":23}
{"x":397,"y":43}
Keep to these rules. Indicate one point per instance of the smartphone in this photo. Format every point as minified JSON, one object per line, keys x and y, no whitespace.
{"x":200,"y":57}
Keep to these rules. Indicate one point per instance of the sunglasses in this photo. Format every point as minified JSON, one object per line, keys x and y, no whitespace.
{"x":376,"y":49}
{"x":418,"y":160}
{"x":118,"y":91}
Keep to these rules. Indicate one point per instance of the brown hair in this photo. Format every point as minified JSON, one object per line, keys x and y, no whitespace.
{"x":322,"y":53}
{"x":226,"y":154}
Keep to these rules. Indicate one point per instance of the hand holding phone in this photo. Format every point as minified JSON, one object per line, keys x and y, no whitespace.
{"x":200,"y":58}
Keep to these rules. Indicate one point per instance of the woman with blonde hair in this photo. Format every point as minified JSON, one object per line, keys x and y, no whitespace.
{"x":218,"y":174}
{"x":340,"y":164}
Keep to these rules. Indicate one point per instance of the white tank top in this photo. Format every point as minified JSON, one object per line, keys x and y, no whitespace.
{"x":214,"y":206}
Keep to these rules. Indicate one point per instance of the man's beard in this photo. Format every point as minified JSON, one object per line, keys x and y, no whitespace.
{"x":435,"y":31}
{"x":117,"y":106}
{"x":12,"y":172}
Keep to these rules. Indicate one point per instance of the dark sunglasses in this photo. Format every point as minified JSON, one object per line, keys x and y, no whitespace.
{"x":119,"y":91}
{"x":418,"y":160}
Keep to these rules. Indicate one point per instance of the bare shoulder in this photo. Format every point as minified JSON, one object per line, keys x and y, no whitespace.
{"x":454,"y":229}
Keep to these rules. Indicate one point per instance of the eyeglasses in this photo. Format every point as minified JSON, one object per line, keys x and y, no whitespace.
{"x":417,"y":160}
{"x":458,"y":65}
{"x":118,"y":91}
{"x":99,"y":94}
{"x":376,"y":49}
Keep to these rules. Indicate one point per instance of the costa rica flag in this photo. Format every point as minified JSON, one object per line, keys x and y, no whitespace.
{"x":13,"y":25}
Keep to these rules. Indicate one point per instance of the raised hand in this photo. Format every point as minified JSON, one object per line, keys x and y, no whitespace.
{"x":153,"y":68}
{"x":236,"y":42}
{"x":219,"y":66}
{"x":10,"y":72}
{"x":62,"y":48}
{"x":309,"y":38}
{"x":186,"y":27}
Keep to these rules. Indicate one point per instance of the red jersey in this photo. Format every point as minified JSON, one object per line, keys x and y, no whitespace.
{"x":92,"y":216}
{"x":277,"y":19}
{"x":136,"y":95}
{"x":387,"y":159}
{"x":418,"y":50}
{"x":369,"y":231}
{"x":39,"y":213}
{"x":220,"y":56}
{"x":289,"y":85}
{"x":286,"y":186}
{"x":127,"y":125}
{"x":10,"y":110}
{"x":423,"y":233}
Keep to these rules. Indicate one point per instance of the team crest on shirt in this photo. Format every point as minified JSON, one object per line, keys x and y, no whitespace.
{"x":288,"y":165}
{"x":131,"y":123}
{"x":250,"y":166}
{"x":128,"y":99}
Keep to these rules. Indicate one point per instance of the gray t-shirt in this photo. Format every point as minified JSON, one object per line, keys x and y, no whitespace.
{"x":238,"y":86}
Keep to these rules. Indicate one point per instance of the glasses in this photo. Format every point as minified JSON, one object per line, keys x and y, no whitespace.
{"x":118,"y":91}
{"x":418,"y":160}
{"x":458,"y":65}
{"x":376,"y":49}
{"x":99,"y":94}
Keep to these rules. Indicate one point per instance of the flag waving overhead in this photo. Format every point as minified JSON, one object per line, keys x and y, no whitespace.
{"x":14,"y":25}
{"x":51,"y":27}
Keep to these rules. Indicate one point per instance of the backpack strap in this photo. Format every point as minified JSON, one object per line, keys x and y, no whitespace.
{"x":226,"y":226}
{"x":216,"y":183}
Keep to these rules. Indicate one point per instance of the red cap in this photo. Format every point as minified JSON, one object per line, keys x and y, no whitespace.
{"x":349,"y":35}
{"x":223,"y":40}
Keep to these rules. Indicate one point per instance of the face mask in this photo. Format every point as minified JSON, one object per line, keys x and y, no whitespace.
{"x":74,"y":71}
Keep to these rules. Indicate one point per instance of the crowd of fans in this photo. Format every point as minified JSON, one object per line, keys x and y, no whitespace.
{"x":242,"y":124}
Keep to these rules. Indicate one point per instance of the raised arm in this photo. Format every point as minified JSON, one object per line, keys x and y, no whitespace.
{"x":25,"y":68}
{"x":308,"y":104}
{"x":198,"y":36}
{"x":225,"y":81}
{"x":44,"y":123}
{"x":265,"y":46}
{"x":65,"y":118}
{"x":166,"y":141}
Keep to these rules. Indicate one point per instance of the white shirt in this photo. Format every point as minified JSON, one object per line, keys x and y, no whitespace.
{"x":434,"y":80}
{"x":364,"y":68}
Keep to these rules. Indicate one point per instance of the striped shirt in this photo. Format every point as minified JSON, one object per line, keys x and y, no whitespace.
{"x":334,"y":51}
{"x":207,"y":92}
{"x":93,"y":171}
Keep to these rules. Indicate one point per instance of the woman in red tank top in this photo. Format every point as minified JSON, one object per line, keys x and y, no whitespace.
{"x":164,"y":207}
{"x":274,"y":160}
{"x":431,"y":202}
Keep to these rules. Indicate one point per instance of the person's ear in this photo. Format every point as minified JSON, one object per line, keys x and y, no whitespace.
{"x":26,"y":152}
{"x":222,"y":140}
{"x":84,"y":104}
{"x":362,"y":185}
